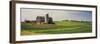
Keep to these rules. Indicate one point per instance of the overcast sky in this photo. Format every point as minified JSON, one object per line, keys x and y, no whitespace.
{"x":57,"y":15}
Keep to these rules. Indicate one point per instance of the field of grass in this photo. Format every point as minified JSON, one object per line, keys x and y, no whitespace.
{"x":60,"y":27}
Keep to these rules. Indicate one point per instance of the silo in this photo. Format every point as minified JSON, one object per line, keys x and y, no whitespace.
{"x":46,"y":18}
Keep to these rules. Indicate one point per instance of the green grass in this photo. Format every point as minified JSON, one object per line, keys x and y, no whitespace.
{"x":57,"y":28}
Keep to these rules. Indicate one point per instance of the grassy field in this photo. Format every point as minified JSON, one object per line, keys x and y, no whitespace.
{"x":60,"y":27}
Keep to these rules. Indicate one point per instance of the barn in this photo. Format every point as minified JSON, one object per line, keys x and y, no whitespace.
{"x":44,"y":19}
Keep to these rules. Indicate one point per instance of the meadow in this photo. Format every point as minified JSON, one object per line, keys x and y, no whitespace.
{"x":60,"y":27}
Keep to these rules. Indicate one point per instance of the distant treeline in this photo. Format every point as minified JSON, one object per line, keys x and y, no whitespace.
{"x":74,"y":21}
{"x":33,"y":21}
{"x":30,"y":21}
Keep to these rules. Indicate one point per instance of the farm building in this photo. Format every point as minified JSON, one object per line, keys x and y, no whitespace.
{"x":44,"y":19}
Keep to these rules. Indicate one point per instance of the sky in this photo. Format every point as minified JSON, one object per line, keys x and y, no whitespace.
{"x":57,"y":15}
